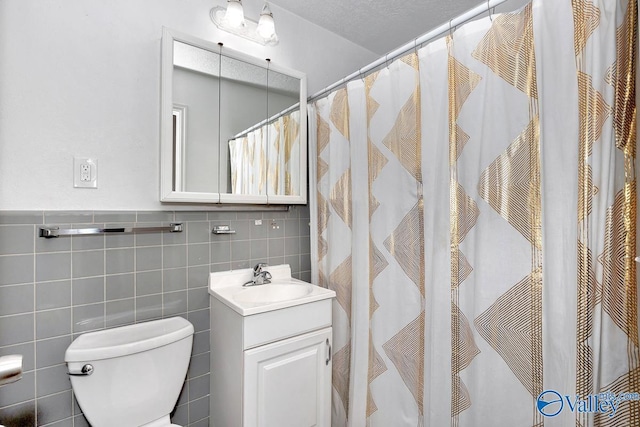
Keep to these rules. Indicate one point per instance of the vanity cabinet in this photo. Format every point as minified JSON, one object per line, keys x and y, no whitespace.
{"x":271,"y":369}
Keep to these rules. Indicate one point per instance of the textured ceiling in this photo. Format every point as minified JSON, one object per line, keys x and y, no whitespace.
{"x":378,"y":25}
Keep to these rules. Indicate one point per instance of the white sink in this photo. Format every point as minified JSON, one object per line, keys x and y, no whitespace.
{"x":273,"y":292}
{"x":283,"y":291}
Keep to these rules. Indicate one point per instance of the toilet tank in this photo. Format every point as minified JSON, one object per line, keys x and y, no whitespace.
{"x":138,"y":371}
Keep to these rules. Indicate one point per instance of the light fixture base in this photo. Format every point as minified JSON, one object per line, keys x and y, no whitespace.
{"x":249,"y":31}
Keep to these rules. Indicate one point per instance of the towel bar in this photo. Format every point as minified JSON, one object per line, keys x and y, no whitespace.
{"x":50,"y":232}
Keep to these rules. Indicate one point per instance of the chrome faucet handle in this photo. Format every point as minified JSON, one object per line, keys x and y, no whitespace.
{"x":257,"y":269}
{"x":266,"y":276}
{"x":261,"y":278}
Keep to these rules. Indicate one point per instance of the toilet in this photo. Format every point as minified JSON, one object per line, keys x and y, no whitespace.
{"x":131,"y":376}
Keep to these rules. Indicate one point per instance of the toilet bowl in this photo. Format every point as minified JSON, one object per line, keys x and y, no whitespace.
{"x":131,"y":376}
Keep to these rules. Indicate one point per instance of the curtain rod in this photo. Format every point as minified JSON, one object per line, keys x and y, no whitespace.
{"x":447,"y":26}
{"x":267,"y":121}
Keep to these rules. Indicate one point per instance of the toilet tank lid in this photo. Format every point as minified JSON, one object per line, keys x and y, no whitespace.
{"x":125,"y":340}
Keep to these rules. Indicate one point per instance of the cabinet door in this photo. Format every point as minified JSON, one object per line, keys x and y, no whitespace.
{"x":288,"y":383}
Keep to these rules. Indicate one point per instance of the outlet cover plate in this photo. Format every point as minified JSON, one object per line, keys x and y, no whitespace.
{"x":85,"y":172}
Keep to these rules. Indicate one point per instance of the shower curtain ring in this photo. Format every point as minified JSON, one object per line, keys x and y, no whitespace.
{"x":361,"y":75}
{"x":450,"y":28}
{"x":489,"y":10}
{"x":386,"y":60}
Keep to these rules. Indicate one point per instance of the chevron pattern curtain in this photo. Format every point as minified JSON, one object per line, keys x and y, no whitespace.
{"x":475,"y":212}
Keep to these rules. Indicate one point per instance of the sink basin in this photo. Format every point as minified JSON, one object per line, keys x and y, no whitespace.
{"x":283,"y":291}
{"x":272,"y":292}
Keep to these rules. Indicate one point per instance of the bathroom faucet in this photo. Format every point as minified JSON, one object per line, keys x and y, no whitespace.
{"x":260,"y":276}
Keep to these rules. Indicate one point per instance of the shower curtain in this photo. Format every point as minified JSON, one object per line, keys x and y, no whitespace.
{"x":475,"y":212}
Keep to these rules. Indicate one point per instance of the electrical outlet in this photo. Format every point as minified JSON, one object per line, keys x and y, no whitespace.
{"x":85,"y":172}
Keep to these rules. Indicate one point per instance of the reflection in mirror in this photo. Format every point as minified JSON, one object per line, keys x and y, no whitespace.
{"x":196,"y":88}
{"x":244,"y":103}
{"x":264,"y":157}
{"x":284,"y":153}
{"x":233,"y":127}
{"x":179,"y":141}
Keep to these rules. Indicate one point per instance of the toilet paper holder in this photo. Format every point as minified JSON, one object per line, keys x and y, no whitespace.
{"x":10,"y":368}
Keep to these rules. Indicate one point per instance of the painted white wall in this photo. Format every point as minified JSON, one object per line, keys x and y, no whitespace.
{"x":82,"y":78}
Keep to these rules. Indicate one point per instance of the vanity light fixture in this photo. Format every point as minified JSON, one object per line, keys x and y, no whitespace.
{"x":266,"y":24}
{"x":234,"y":15}
{"x":232,"y":20}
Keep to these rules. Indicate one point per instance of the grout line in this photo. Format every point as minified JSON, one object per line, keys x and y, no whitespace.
{"x":104,"y":286}
{"x":34,"y":345}
{"x":135,"y":276}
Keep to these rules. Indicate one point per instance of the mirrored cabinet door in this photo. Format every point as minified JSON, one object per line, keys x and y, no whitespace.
{"x":285,"y":154}
{"x":243,"y":148}
{"x":196,"y":113}
{"x":233,"y":127}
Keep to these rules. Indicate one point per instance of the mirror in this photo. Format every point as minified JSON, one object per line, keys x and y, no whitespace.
{"x":233,"y":128}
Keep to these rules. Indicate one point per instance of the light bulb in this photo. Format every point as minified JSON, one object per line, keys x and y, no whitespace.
{"x":234,"y":16}
{"x":266,"y":24}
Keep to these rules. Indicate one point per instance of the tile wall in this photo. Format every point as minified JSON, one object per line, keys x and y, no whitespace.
{"x":51,"y":290}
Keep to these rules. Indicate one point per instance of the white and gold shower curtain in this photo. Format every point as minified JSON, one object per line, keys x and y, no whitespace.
{"x":247,"y":156}
{"x":475,"y":209}
{"x":264,"y":160}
